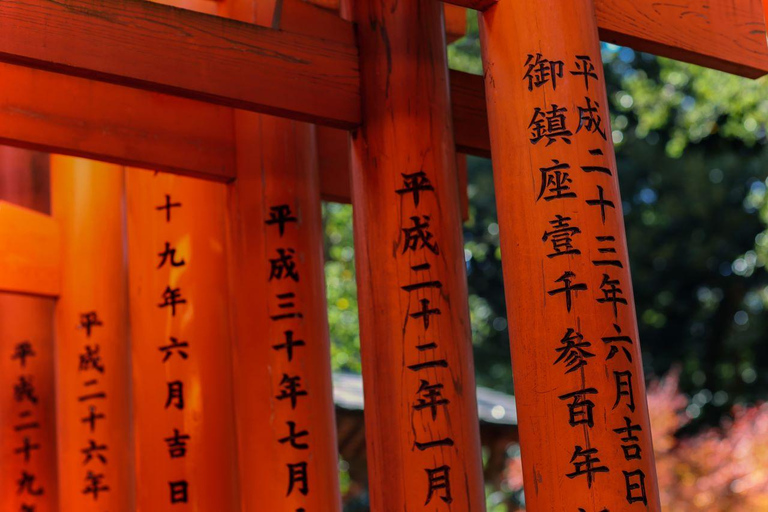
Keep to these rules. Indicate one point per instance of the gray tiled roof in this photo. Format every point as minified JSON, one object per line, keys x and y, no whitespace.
{"x":492,"y":406}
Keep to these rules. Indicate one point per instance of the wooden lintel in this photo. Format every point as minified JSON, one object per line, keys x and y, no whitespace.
{"x":30,"y":257}
{"x":58,"y":113}
{"x":478,"y":5}
{"x":313,"y":75}
{"x":146,"y":45}
{"x":470,"y":119}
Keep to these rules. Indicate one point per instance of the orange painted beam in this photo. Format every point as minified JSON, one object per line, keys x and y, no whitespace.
{"x":79,"y":117}
{"x":728,"y":36}
{"x":333,"y":164}
{"x":183,"y":414}
{"x":315,"y":78}
{"x":178,"y":51}
{"x":585,"y":434}
{"x":30,"y":260}
{"x":420,"y":406}
{"x":64,"y":114}
{"x":470,"y":118}
{"x":27,"y":405}
{"x":92,"y":365}
{"x":478,"y":5}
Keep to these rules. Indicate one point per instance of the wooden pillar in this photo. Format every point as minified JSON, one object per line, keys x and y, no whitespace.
{"x":584,"y":430}
{"x":420,"y":399}
{"x":182,"y":383}
{"x":92,"y":364}
{"x":27,"y":403}
{"x":284,"y":399}
{"x":288,"y":450}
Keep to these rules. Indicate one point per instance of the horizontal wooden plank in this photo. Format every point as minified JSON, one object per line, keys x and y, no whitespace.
{"x":728,"y":35}
{"x":162,"y":48}
{"x":455,"y":22}
{"x":470,"y":117}
{"x":479,"y":5}
{"x":74,"y":116}
{"x":333,"y":164}
{"x":30,"y":259}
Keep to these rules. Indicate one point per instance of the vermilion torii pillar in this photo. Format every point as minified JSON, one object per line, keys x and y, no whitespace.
{"x":420,"y":403}
{"x":181,"y":350}
{"x":288,"y":452}
{"x":583,"y":419}
{"x":92,"y":353}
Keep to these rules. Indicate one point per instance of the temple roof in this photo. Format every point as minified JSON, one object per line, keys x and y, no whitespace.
{"x":493,"y":407}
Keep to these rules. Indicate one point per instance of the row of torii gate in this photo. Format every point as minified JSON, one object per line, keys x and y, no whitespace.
{"x":191,"y":344}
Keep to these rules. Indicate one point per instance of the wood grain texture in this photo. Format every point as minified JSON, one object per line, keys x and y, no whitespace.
{"x":32,"y":245}
{"x":278,"y":165}
{"x":63,"y":114}
{"x":315,"y":77}
{"x":197,"y":231}
{"x":74,"y":116}
{"x":333,"y":164}
{"x":576,"y":356}
{"x":151,"y":46}
{"x":414,"y":323}
{"x":728,"y":35}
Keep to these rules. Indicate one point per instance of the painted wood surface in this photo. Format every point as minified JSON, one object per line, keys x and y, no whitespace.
{"x":421,"y":410}
{"x":288,"y":450}
{"x":64,"y":114}
{"x":479,"y":5}
{"x":181,"y":351}
{"x":315,"y":78}
{"x":152,"y":46}
{"x":28,"y":400}
{"x":728,"y":35}
{"x":93,"y":399}
{"x":27,"y":405}
{"x":86,"y":118}
{"x":579,"y":387}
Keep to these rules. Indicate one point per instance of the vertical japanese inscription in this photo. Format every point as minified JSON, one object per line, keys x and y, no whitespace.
{"x":173,"y":354}
{"x":285,"y":308}
{"x":559,"y":193}
{"x":91,"y":399}
{"x":26,"y":426}
{"x":420,"y":248}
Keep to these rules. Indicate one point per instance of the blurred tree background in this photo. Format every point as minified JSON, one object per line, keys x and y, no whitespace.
{"x":691,"y":149}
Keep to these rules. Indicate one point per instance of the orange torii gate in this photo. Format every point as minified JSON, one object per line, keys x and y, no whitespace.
{"x":148,"y":85}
